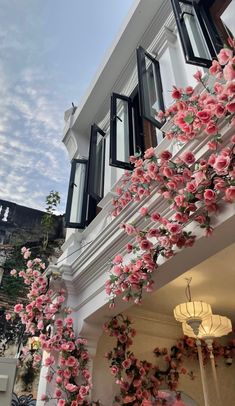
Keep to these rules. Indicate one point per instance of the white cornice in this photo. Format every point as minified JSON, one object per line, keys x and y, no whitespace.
{"x":118,"y":72}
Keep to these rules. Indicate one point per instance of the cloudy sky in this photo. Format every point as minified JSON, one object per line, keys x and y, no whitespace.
{"x":49,"y":53}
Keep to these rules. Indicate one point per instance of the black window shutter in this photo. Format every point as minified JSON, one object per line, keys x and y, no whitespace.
{"x":196,"y":33}
{"x":121,"y":131}
{"x":96,"y":163}
{"x":76,"y":208}
{"x":150,"y":86}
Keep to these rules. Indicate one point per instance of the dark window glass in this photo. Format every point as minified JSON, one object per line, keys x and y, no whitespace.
{"x":96,"y":163}
{"x":76,"y":208}
{"x":150,"y":86}
{"x":121,"y":131}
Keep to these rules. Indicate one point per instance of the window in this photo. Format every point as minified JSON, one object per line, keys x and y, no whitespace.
{"x":133,"y":119}
{"x":197,"y":37}
{"x":96,"y":163}
{"x":221,"y":15}
{"x":204,"y":27}
{"x":76,"y":208}
{"x":121,"y":131}
{"x":150,"y":86}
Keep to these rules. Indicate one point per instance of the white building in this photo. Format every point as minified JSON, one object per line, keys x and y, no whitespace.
{"x":156,"y":49}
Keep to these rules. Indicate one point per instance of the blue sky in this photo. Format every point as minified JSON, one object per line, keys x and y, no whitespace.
{"x":49,"y":53}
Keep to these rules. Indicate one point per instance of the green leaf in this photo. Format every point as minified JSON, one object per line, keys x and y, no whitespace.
{"x":189,"y":118}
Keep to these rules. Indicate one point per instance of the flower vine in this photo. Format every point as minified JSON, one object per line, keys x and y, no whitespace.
{"x":140,"y":381}
{"x":46,"y":317}
{"x":192,"y":187}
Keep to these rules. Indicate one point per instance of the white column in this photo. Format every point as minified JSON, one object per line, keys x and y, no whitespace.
{"x":203,"y":375}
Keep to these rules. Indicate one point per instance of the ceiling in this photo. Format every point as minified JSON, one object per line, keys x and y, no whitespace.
{"x":213,"y":281}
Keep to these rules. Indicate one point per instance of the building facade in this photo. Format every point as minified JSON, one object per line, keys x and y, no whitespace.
{"x":161,"y":44}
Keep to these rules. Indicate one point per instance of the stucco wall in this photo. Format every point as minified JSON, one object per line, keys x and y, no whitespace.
{"x":159,"y":335}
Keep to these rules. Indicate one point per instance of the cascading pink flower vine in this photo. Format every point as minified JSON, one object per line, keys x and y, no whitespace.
{"x":46,"y":317}
{"x":193,"y":188}
{"x":141,"y":382}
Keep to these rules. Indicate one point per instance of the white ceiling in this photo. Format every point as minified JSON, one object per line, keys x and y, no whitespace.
{"x":213,"y":281}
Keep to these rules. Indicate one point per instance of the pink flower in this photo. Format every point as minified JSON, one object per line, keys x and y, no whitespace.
{"x":71,"y":388}
{"x":59,"y":323}
{"x":174,"y":228}
{"x":221,"y":164}
{"x":229,"y":71}
{"x":225,"y":55}
{"x":40,"y":325}
{"x":231,"y":107}
{"x":204,"y":116}
{"x":165,"y":155}
{"x":220,"y":110}
{"x":230,"y":194}
{"x":8,"y":316}
{"x":118,"y":259}
{"x":189,"y":90}
{"x":37,"y":358}
{"x":129,"y":229}
{"x":58,"y":393}
{"x":149,"y":153}
{"x":215,"y":68}
{"x":13,"y":272}
{"x":145,"y":245}
{"x":211,"y":128}
{"x":26,"y":252}
{"x":49,"y":361}
{"x":114,"y":370}
{"x":59,"y":380}
{"x":83,"y":391}
{"x":126,"y":363}
{"x":18,"y":308}
{"x":188,"y":158}
{"x":144,"y":211}
{"x":71,"y":361}
{"x":209,"y":195}
{"x":176,"y":93}
{"x":191,"y":187}
{"x":155,"y":216}
{"x":44,"y":397}
{"x":61,"y":402}
{"x":60,"y":299}
{"x":198,"y":76}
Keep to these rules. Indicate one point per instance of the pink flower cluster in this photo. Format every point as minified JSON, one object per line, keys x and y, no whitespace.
{"x":162,"y":238}
{"x":131,"y":374}
{"x":193,"y":188}
{"x":140,"y":381}
{"x":46,"y":316}
{"x":193,"y":113}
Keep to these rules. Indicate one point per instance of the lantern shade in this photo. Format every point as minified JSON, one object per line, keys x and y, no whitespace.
{"x":213,"y":326}
{"x":192,"y":310}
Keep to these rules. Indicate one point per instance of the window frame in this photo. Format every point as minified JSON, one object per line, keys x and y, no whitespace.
{"x":207,"y":31}
{"x":141,"y":68}
{"x":113,"y":161}
{"x":95,"y":130}
{"x":68,"y":223}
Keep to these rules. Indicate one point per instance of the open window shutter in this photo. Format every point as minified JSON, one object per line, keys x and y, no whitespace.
{"x":195,"y":31}
{"x":121,"y":131}
{"x":150,"y":86}
{"x":76,"y":209}
{"x":96,"y":163}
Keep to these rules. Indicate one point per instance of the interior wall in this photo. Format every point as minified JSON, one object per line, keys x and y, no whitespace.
{"x":152,"y":334}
